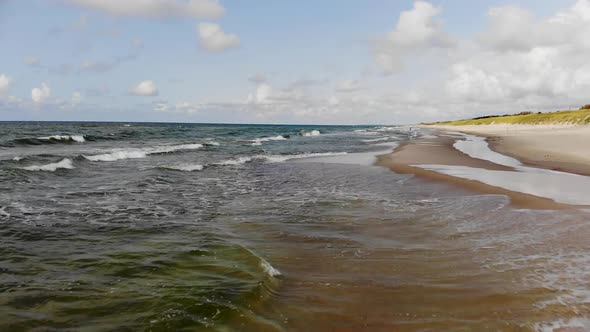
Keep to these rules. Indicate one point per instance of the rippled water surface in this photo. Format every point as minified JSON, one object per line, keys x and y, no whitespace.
{"x":222,"y":227}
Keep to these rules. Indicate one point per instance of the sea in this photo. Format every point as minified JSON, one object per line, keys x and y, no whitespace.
{"x":223,"y":227}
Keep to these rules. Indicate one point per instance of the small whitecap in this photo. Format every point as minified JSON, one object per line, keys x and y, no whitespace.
{"x":65,"y":163}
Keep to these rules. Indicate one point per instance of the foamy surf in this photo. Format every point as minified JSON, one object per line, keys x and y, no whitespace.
{"x":65,"y":163}
{"x":234,"y":162}
{"x":259,"y":141}
{"x":282,"y":158}
{"x":277,"y":158}
{"x":141,"y":153}
{"x":269,"y":269}
{"x":310,"y":133}
{"x":66,"y":138}
{"x":375,"y":140}
{"x":185,"y":167}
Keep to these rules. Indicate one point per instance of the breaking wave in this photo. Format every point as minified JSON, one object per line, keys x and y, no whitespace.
{"x":276,"y":158}
{"x":53,"y":139}
{"x":185,"y":167}
{"x":66,"y":138}
{"x":258,"y":141}
{"x":282,"y":158}
{"x":269,"y":269}
{"x":309,"y":133}
{"x":141,"y":153}
{"x":234,"y":162}
{"x":375,"y":139}
{"x":65,"y":163}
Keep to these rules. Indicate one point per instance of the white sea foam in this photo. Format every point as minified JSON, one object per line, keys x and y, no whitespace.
{"x":141,"y":153}
{"x":387,"y":128}
{"x":17,"y":158}
{"x":75,"y":138}
{"x":213,"y":143}
{"x":310,"y":133}
{"x":117,"y":155}
{"x":65,"y":163}
{"x":282,"y":158}
{"x":574,"y":324}
{"x":258,"y":141}
{"x":185,"y":167}
{"x":269,"y":269}
{"x":234,"y":162}
{"x":376,"y":139}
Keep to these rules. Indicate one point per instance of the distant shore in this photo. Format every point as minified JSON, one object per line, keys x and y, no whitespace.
{"x":557,"y":147}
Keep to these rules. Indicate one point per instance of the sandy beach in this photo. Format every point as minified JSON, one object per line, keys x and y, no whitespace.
{"x":557,"y":147}
{"x":538,"y":167}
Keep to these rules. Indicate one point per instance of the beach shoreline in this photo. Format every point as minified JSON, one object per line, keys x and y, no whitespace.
{"x":554,"y":147}
{"x":520,"y":154}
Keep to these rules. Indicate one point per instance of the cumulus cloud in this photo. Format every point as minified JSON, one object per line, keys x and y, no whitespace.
{"x":521,"y":58}
{"x":5,"y":82}
{"x":40,"y":94}
{"x":518,"y":61}
{"x":159,"y":9}
{"x":416,"y":30}
{"x":262,"y":95}
{"x":348,"y":86}
{"x":181,"y":107}
{"x":214,"y":39}
{"x":145,"y":88}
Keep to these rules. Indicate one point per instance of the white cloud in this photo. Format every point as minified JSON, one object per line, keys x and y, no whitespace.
{"x":417,"y":27}
{"x":39,"y":95}
{"x":262,"y":94}
{"x":348,"y":86}
{"x":156,"y":8}
{"x":5,"y":82}
{"x":214,"y":39}
{"x":416,"y":30}
{"x":181,"y":107}
{"x":524,"y":59}
{"x":145,"y":88}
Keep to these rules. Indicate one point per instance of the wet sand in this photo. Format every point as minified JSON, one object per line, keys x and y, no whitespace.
{"x":440,"y":151}
{"x":556,"y":147}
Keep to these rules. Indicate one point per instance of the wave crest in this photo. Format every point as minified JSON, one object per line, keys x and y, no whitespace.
{"x":65,"y":163}
{"x":185,"y":167}
{"x":234,"y":162}
{"x":66,"y":138}
{"x":141,"y":153}
{"x":258,"y":141}
{"x":310,"y":133}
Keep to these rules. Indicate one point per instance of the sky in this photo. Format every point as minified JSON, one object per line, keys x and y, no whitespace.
{"x":292,"y":62}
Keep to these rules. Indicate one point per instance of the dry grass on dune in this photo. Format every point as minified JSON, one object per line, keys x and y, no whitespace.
{"x":579,"y":117}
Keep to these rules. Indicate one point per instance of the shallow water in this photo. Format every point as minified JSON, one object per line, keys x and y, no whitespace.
{"x":559,"y":186}
{"x":261,"y":239}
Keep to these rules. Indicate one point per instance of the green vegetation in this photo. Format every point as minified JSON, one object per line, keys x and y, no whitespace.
{"x":580,"y":117}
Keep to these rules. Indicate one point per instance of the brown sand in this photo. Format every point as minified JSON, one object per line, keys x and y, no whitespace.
{"x":557,"y":147}
{"x":440,"y":151}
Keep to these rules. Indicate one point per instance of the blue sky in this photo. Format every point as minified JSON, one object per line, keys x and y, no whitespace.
{"x":271,"y":61}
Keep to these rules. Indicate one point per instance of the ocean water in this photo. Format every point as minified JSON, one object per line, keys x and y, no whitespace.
{"x":193,"y":227}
